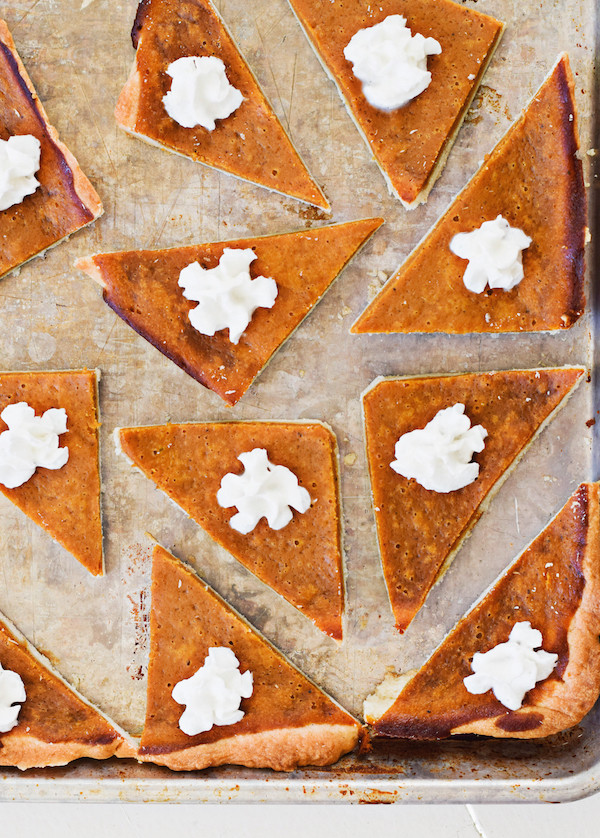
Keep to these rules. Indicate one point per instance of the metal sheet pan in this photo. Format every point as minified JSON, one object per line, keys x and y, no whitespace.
{"x":52,"y":317}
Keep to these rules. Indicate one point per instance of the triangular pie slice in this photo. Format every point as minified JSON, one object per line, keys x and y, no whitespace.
{"x":409,"y":144}
{"x":420,"y":531}
{"x":534,"y":179}
{"x":55,"y":724}
{"x":66,"y":501}
{"x":250,"y":143}
{"x":288,"y":721}
{"x":302,"y":561}
{"x":141,"y":286}
{"x":555,"y":585}
{"x":65,"y":201}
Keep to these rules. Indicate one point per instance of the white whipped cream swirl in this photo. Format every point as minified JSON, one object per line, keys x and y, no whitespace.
{"x":12,"y":694}
{"x":19,"y":161}
{"x":227,"y":296}
{"x":263,"y":490}
{"x":200,"y":92}
{"x":513,"y":668}
{"x":30,"y":442}
{"x":438,"y":456}
{"x":391,"y":62}
{"x":495,"y":256}
{"x":214,"y":693}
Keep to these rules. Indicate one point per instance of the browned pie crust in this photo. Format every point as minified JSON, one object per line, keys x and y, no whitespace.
{"x":66,"y":501}
{"x":554,"y":584}
{"x":534,"y":178}
{"x":420,"y":531}
{"x":65,"y":201}
{"x":141,"y":286}
{"x":302,"y":561}
{"x":288,"y":720}
{"x":55,"y":724}
{"x":410,"y":144}
{"x":250,"y":143}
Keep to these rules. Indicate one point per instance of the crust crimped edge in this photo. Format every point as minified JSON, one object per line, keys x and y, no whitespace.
{"x":19,"y":749}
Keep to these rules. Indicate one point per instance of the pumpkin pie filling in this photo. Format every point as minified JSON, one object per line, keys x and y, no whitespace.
{"x":65,"y":200}
{"x":142,"y":288}
{"x":555,"y":585}
{"x":534,"y":179}
{"x":419,"y":531}
{"x":65,"y":502}
{"x":302,"y":562}
{"x":283,"y":713}
{"x":410,"y":144}
{"x":250,"y":143}
{"x":55,"y":725}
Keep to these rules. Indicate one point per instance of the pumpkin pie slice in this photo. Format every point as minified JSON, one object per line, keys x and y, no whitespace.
{"x":555,"y":586}
{"x":533,"y":179}
{"x":409,"y":144}
{"x":288,"y":721}
{"x":250,"y":143}
{"x":55,"y":724}
{"x":141,"y":286}
{"x":65,"y":200}
{"x":63,"y":501}
{"x":420,"y":530}
{"x":302,"y":561}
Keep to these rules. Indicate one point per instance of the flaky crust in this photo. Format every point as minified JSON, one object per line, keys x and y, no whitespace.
{"x":565,"y":702}
{"x":126,"y":109}
{"x":282,"y":750}
{"x":84,"y":189}
{"x":21,"y":750}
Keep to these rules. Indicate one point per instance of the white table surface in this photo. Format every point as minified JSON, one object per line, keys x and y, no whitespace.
{"x":138,"y":820}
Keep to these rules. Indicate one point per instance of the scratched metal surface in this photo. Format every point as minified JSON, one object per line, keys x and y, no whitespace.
{"x":52,"y":317}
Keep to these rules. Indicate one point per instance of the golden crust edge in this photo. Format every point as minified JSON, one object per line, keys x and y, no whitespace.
{"x":564,"y":703}
{"x":283,"y":749}
{"x":23,"y":751}
{"x":27,"y":751}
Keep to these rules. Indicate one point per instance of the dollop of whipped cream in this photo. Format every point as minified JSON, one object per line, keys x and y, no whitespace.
{"x":227,"y":296}
{"x":495,"y":254}
{"x":214,"y":692}
{"x":438,"y":456}
{"x":30,"y":442}
{"x":200,"y":92}
{"x":263,"y":490}
{"x":391,"y":62}
{"x":513,"y":668}
{"x":12,"y":694}
{"x":19,"y":161}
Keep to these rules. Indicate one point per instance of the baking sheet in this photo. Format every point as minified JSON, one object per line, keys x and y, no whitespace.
{"x":53,"y":317}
